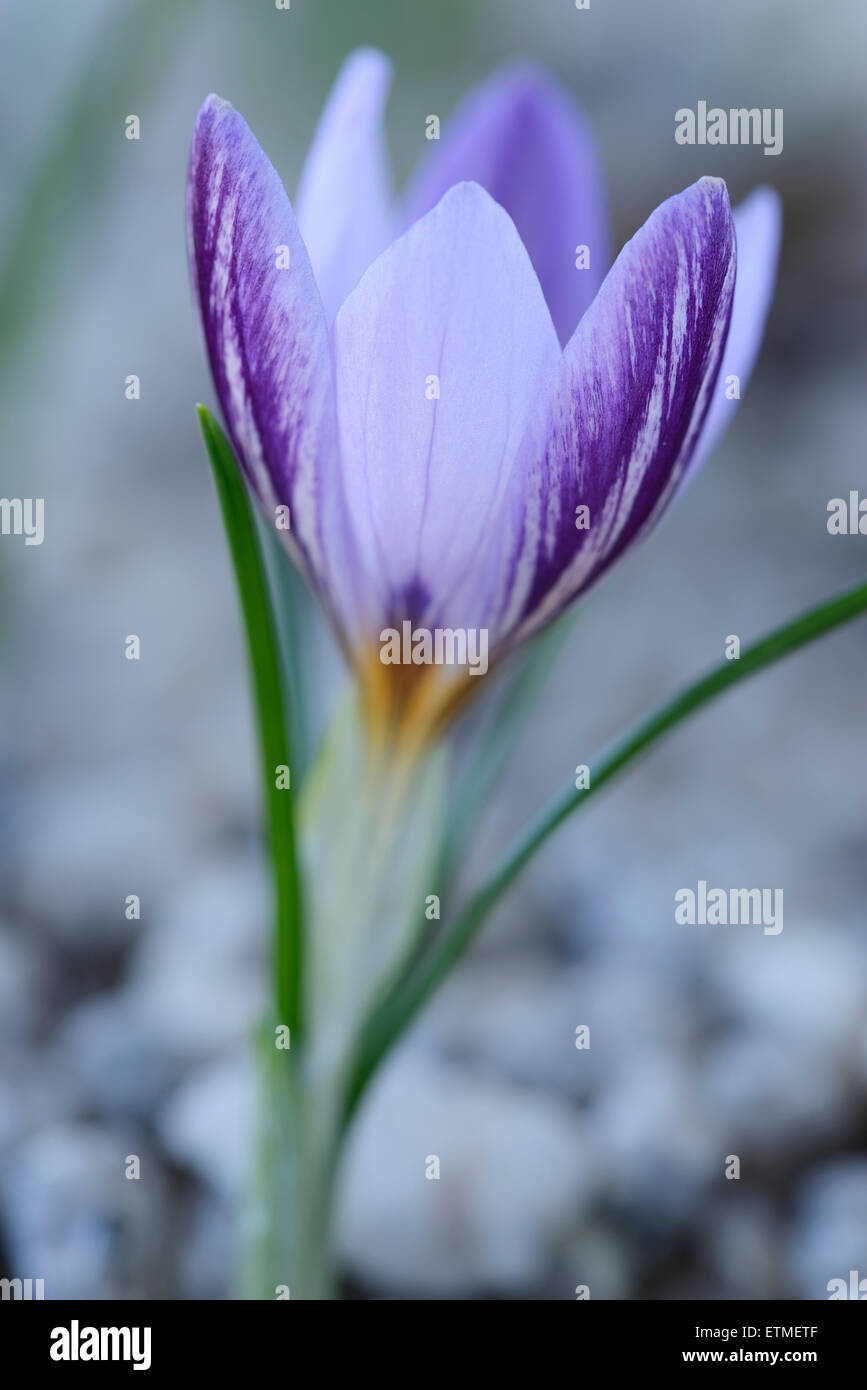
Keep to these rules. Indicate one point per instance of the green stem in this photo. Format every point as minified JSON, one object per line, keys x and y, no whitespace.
{"x":385,"y":1027}
{"x":286,"y":1233}
{"x":263,"y":649}
{"x":496,"y":743}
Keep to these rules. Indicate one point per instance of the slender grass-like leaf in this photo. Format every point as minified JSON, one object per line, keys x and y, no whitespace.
{"x":264,"y":654}
{"x":385,"y":1027}
{"x":297,"y":635}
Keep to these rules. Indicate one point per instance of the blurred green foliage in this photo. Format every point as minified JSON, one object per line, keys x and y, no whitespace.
{"x":116,"y":74}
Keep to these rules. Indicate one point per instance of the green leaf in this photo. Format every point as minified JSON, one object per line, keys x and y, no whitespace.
{"x":298,"y":638}
{"x":264,"y":654}
{"x":385,"y":1027}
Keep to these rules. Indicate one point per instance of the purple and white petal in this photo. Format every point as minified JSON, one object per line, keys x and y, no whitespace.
{"x":527,"y":143}
{"x":345,"y":198}
{"x":446,"y":358}
{"x":264,"y":326}
{"x":758,"y":226}
{"x":636,"y":384}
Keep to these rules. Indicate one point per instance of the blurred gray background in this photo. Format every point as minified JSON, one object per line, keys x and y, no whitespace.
{"x":561,"y":1167}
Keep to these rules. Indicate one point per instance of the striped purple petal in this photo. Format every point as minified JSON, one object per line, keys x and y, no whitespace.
{"x":635,"y":386}
{"x":265,"y":330}
{"x":758,"y":226}
{"x":526,"y":142}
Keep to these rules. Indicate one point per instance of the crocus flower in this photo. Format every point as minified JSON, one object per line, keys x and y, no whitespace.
{"x":467,"y":430}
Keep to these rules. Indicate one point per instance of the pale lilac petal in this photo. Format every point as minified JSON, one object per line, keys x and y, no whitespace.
{"x":455,"y":307}
{"x":636,"y":384}
{"x":524,"y":140}
{"x":345,"y":199}
{"x":264,"y":326}
{"x":758,"y":225}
